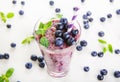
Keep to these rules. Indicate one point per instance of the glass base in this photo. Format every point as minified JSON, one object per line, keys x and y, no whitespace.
{"x":58,"y":75}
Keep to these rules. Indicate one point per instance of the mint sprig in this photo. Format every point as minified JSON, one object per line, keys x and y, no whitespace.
{"x":4,"y":17}
{"x":5,"y":77}
{"x":44,"y":41}
{"x":28,"y":40}
{"x":107,"y":46}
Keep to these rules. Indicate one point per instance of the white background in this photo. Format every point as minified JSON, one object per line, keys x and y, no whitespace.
{"x":22,"y":26}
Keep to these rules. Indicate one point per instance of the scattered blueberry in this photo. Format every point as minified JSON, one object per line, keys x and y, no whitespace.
{"x":118,"y":11}
{"x":88,"y":13}
{"x":71,"y":41}
{"x":75,"y":32}
{"x":90,"y":19}
{"x":85,"y":16}
{"x":13,"y":45}
{"x":42,"y":64}
{"x":28,"y":65}
{"x":117,"y":51}
{"x":86,"y":26}
{"x":100,"y":54}
{"x":51,"y":3}
{"x":58,"y":33}
{"x":40,"y":59}
{"x":1,"y":56}
{"x":109,"y":15}
{"x":18,"y":81}
{"x":82,"y":1}
{"x":8,"y":25}
{"x":100,"y":77}
{"x":21,"y":12}
{"x":75,"y":8}
{"x":58,"y":41}
{"x":117,"y":74}
{"x":6,"y":56}
{"x":85,"y":22}
{"x":83,"y":43}
{"x":14,"y":1}
{"x":64,"y":21}
{"x":57,"y":10}
{"x":86,"y":68}
{"x":66,"y":35}
{"x":103,"y":72}
{"x":22,"y":2}
{"x":94,"y":53}
{"x":34,"y":57}
{"x":111,"y":0}
{"x":102,"y":19}
{"x":101,"y":33}
{"x":79,"y":48}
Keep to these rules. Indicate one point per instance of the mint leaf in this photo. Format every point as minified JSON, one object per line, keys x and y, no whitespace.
{"x":40,"y":31}
{"x":102,"y":41}
{"x":6,"y":80}
{"x":104,"y":50}
{"x":59,"y":15}
{"x":44,"y":41}
{"x":2,"y":16}
{"x":41,"y":25}
{"x":10,"y":15}
{"x":9,"y":72}
{"x":47,"y":25}
{"x":1,"y":79}
{"x":110,"y":48}
{"x":28,"y":40}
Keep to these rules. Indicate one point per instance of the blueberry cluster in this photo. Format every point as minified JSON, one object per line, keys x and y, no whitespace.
{"x":86,"y":19}
{"x":4,"y":56}
{"x":82,"y":44}
{"x":61,"y":34}
{"x":99,"y":54}
{"x":33,"y":57}
{"x":103,"y":72}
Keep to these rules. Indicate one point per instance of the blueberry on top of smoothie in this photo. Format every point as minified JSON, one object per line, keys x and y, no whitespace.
{"x":63,"y":21}
{"x":60,"y":26}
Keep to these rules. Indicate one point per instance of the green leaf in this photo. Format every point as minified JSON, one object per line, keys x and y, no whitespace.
{"x":47,"y":25}
{"x":102,"y":41}
{"x":1,"y":79}
{"x":6,"y":80}
{"x":24,"y":41}
{"x":104,"y":50}
{"x":41,"y":25}
{"x":59,"y":15}
{"x":2,"y":16}
{"x":28,"y":40}
{"x":110,"y":48}
{"x":9,"y":72}
{"x":44,"y":41}
{"x":10,"y":15}
{"x":40,"y":31}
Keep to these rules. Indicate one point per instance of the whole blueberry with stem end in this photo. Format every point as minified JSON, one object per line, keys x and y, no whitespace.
{"x":28,"y":65}
{"x":103,"y":72}
{"x":86,"y":68}
{"x":102,"y":19}
{"x":89,"y":13}
{"x":101,"y":33}
{"x":6,"y":56}
{"x":86,"y":26}
{"x":79,"y":48}
{"x":58,"y":41}
{"x":100,"y":77}
{"x":42,"y":64}
{"x":33,"y":57}
{"x":13,"y":45}
{"x":83,"y":43}
{"x":40,"y":59}
{"x":94,"y":53}
{"x":117,"y":51}
{"x":100,"y":54}
{"x":21,"y":12}
{"x":109,"y":15}
{"x":117,"y":74}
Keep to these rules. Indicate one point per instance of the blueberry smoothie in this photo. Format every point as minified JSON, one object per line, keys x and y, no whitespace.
{"x":57,"y":44}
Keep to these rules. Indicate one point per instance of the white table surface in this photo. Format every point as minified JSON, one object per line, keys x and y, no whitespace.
{"x":22,"y":26}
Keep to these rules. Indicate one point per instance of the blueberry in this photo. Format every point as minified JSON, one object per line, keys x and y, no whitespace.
{"x":86,"y":26}
{"x":66,"y":35}
{"x":28,"y":65}
{"x":71,"y":41}
{"x":58,"y":41}
{"x":101,"y":33}
{"x":85,"y":16}
{"x":117,"y":74}
{"x":83,"y":43}
{"x":75,"y":8}
{"x":51,"y":3}
{"x":14,"y":1}
{"x":85,"y":22}
{"x":111,"y":0}
{"x":18,"y":81}
{"x":102,"y":19}
{"x":21,"y":12}
{"x":100,"y":54}
{"x":42,"y":64}
{"x":109,"y":15}
{"x":79,"y":48}
{"x":88,"y":13}
{"x":117,"y":51}
{"x":94,"y":53}
{"x":118,"y":12}
{"x":86,"y":68}
{"x":63,"y":21}
{"x":1,"y":56}
{"x":58,"y":33}
{"x":40,"y":59}
{"x":75,"y":32}
{"x":100,"y":77}
{"x":6,"y":56}
{"x":60,"y":26}
{"x":82,"y":1}
{"x":33,"y":57}
{"x":90,"y":19}
{"x":103,"y":72}
{"x":57,"y":10}
{"x":22,"y":2}
{"x":8,"y":25}
{"x":13,"y":45}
